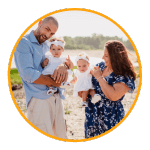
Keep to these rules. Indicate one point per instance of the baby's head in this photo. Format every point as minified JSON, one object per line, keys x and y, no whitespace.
{"x":82,"y":61}
{"x":57,"y":46}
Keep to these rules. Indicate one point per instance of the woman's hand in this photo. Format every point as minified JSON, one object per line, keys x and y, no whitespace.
{"x":96,"y":72}
{"x":60,"y":74}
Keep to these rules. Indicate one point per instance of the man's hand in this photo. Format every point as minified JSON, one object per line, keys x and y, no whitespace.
{"x":44,"y":63}
{"x":60,"y":74}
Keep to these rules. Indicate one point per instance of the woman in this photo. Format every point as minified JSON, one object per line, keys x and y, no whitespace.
{"x":112,"y":79}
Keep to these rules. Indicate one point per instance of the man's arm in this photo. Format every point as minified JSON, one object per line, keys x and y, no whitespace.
{"x":46,"y":80}
{"x":25,"y":65}
{"x":24,"y":62}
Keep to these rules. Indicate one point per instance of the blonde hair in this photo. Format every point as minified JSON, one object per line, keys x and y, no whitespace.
{"x":83,"y":54}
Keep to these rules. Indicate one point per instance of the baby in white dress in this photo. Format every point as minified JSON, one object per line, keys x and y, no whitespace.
{"x":53,"y":60}
{"x":83,"y":80}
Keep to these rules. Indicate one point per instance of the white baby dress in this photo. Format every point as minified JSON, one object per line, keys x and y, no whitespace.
{"x":53,"y":63}
{"x":84,"y":81}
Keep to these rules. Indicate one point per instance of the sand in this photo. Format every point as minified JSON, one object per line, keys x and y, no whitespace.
{"x":75,"y":114}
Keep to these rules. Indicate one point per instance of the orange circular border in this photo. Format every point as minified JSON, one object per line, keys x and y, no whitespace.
{"x":75,"y":9}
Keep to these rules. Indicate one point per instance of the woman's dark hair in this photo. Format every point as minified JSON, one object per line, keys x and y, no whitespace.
{"x":120,"y":61}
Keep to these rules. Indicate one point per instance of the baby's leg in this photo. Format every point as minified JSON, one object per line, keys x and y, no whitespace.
{"x":84,"y":95}
{"x":65,"y":83}
{"x":51,"y":89}
{"x":95,"y":97}
{"x":92,"y":92}
{"x":80,"y":93}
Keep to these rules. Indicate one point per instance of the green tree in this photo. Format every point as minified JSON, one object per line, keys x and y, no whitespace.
{"x":92,"y":42}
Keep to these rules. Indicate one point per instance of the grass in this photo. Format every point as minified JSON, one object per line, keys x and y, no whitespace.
{"x":67,"y":111}
{"x":15,"y":77}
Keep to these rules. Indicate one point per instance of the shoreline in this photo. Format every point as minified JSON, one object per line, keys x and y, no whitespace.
{"x":93,"y":54}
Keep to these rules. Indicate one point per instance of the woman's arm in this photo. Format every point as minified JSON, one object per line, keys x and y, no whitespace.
{"x":114,"y":92}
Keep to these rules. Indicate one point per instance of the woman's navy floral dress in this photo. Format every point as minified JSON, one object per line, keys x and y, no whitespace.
{"x":105,"y":114}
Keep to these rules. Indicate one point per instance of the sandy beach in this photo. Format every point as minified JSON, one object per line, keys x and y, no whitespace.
{"x":74,"y":114}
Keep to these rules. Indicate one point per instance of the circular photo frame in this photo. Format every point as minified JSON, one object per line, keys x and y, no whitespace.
{"x":88,"y":31}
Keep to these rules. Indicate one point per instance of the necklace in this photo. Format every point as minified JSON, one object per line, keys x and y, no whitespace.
{"x":110,"y":70}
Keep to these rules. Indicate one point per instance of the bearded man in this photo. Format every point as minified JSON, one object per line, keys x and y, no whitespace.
{"x":44,"y":111}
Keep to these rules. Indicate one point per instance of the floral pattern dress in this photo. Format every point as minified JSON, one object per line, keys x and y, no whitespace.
{"x":105,"y":114}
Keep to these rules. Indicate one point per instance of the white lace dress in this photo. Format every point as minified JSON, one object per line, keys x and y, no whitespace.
{"x":53,"y":63}
{"x":84,"y":82}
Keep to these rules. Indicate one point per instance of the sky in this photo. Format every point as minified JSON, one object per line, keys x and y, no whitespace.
{"x":81,"y":23}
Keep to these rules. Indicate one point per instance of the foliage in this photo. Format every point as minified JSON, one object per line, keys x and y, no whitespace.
{"x":15,"y":77}
{"x":93,"y":42}
{"x":137,"y":71}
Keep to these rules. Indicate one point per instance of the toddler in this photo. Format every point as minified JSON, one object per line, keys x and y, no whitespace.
{"x":53,"y":61}
{"x":83,"y":80}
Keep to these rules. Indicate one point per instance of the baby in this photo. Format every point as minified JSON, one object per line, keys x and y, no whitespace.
{"x":83,"y":80}
{"x":53,"y":61}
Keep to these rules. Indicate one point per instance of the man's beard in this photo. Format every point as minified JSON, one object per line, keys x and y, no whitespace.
{"x":39,"y":37}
